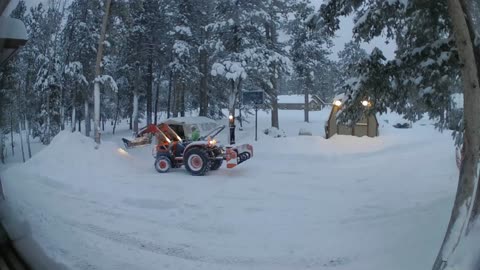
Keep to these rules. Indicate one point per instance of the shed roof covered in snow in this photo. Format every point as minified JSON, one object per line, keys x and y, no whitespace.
{"x":293,"y":99}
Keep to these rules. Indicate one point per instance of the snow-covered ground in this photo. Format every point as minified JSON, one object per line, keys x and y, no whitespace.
{"x":302,"y":202}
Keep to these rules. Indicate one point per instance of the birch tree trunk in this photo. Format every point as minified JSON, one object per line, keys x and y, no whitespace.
{"x":462,"y":208}
{"x":474,"y":23}
{"x":306,"y":108}
{"x":96,"y":88}
{"x":135,"y":112}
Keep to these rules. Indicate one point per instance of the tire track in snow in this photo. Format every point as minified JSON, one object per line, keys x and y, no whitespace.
{"x":121,"y":238}
{"x":186,"y":254}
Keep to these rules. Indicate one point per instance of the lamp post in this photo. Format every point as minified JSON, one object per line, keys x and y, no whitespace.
{"x":231,"y":121}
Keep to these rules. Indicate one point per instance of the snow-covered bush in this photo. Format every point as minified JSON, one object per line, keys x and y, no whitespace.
{"x":275,"y":132}
{"x":304,"y":132}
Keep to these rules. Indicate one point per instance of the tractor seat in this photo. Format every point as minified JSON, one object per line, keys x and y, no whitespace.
{"x":177,"y":149}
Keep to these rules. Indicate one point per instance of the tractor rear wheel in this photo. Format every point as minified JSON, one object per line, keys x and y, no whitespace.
{"x":163,"y":164}
{"x":197,"y":161}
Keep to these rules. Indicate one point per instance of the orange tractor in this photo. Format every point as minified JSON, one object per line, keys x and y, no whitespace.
{"x":198,"y":157}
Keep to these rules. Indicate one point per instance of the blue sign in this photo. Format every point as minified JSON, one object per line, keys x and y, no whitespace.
{"x":253,"y":98}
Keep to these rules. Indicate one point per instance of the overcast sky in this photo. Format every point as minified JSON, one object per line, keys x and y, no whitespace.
{"x":343,"y":35}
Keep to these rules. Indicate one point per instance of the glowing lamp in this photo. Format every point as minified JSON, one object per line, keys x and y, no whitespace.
{"x":337,"y":103}
{"x":365,"y":103}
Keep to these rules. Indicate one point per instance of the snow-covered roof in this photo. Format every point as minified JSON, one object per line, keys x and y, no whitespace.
{"x":11,"y":28}
{"x":293,"y":99}
{"x":339,"y":97}
{"x":190,"y":120}
{"x":204,"y":124}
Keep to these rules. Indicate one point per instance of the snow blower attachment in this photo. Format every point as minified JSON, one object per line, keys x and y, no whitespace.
{"x":198,"y":157}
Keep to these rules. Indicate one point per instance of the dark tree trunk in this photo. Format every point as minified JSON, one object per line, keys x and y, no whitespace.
{"x":130,"y":123}
{"x":27,"y":135}
{"x":274,"y":97}
{"x":157,"y":93}
{"x":176,"y":91}
{"x":203,"y":83}
{"x":169,"y":100}
{"x":149,"y":91}
{"x":62,"y":108}
{"x":86,"y":117}
{"x":306,"y":109}
{"x":117,"y":111}
{"x":182,"y":100}
{"x":21,"y":138}
{"x":74,"y":108}
{"x":11,"y":134}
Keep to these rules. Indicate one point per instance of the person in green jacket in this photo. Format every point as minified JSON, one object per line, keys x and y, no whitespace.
{"x":195,"y":134}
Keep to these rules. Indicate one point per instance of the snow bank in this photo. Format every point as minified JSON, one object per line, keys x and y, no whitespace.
{"x":73,"y":156}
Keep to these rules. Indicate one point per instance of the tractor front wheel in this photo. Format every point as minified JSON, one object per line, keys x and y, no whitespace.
{"x":216,"y":164}
{"x":163,"y":164}
{"x":197,"y":161}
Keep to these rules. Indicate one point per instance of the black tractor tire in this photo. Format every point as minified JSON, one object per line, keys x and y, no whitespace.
{"x":163,"y":164}
{"x":197,"y":161}
{"x":216,"y":164}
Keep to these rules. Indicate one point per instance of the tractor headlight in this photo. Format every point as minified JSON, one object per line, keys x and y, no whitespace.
{"x":212,"y":142}
{"x":122,"y":152}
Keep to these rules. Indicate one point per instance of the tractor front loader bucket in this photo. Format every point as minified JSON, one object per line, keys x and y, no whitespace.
{"x":136,"y":142}
{"x":238,"y":154}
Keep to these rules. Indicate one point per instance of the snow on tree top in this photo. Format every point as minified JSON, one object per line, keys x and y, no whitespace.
{"x":183,"y":30}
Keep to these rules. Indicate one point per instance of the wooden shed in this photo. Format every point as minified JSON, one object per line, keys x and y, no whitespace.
{"x":367,"y":126}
